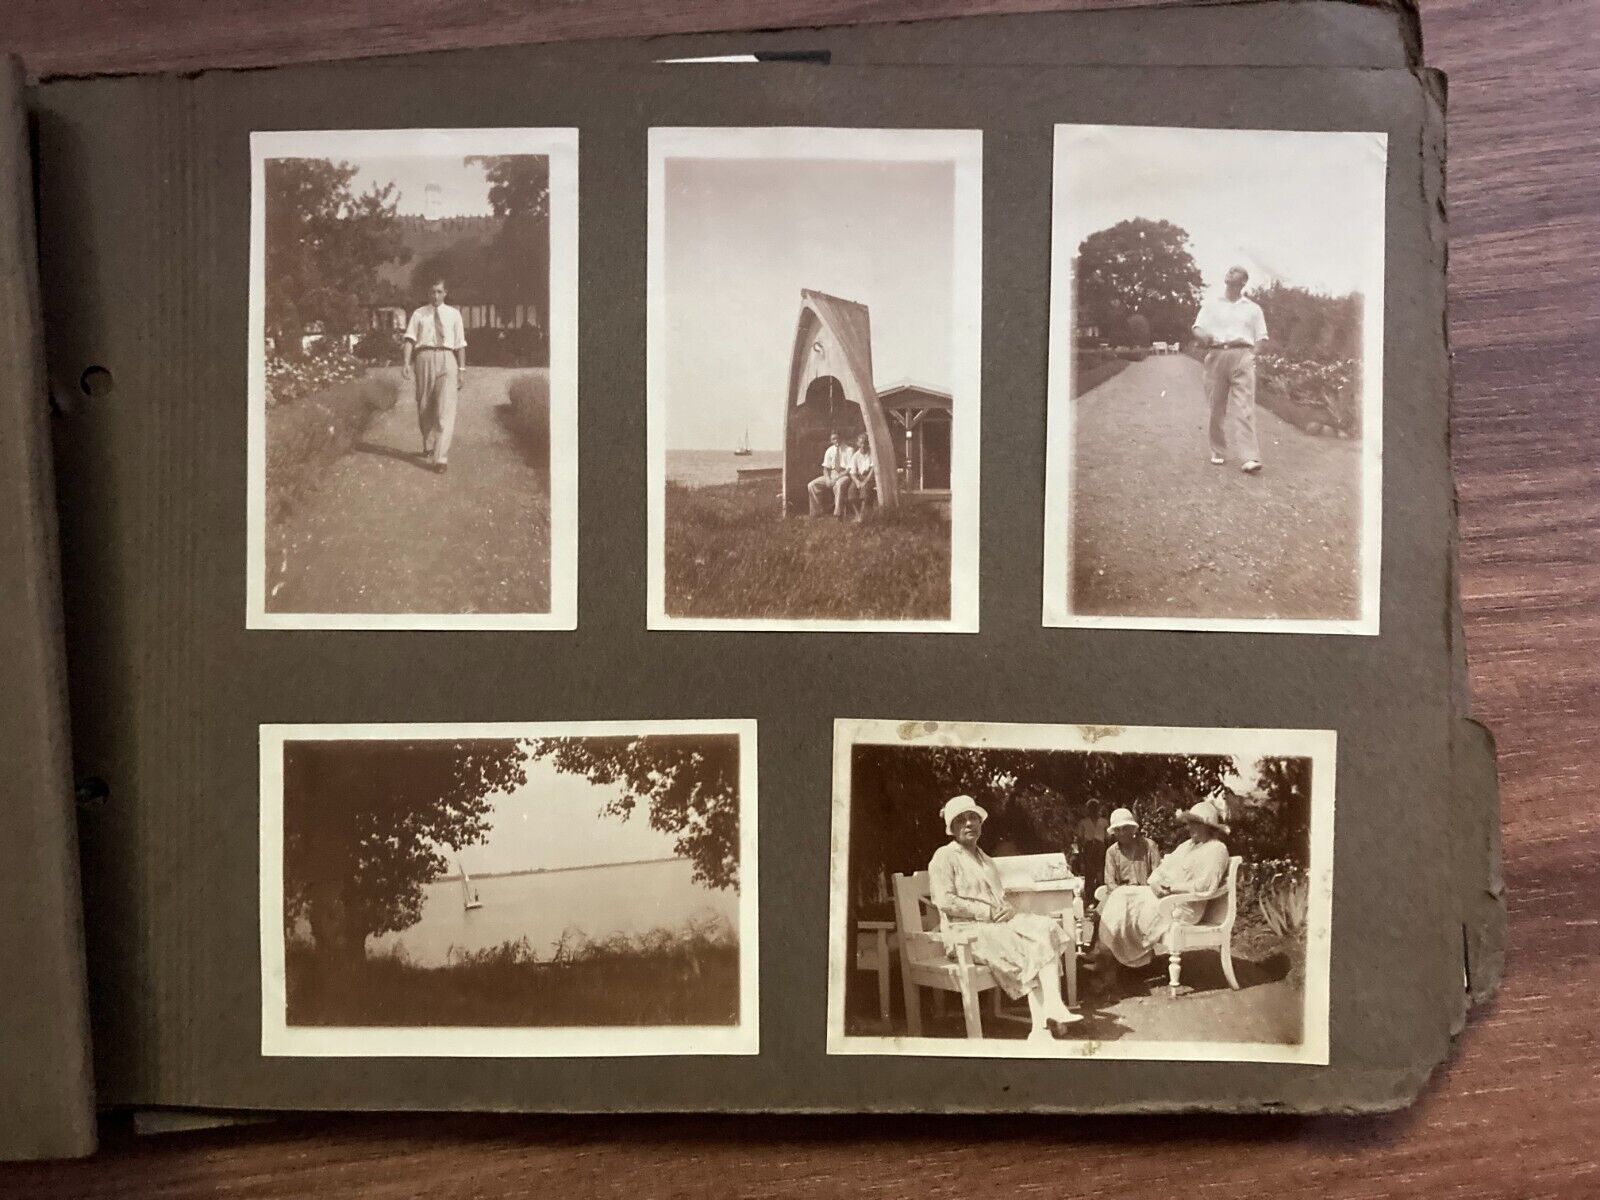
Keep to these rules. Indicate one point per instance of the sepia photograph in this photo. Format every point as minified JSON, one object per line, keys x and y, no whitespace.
{"x":413,"y":379}
{"x":509,"y":890}
{"x":1215,"y":432}
{"x":814,"y":345}
{"x":1056,"y":891}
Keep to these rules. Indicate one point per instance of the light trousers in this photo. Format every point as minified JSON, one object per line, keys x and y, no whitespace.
{"x":1231,"y":389}
{"x":434,"y":375}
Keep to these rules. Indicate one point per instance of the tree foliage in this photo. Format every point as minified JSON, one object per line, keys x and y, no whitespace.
{"x":512,"y":266}
{"x":688,"y":783}
{"x":1307,"y":326}
{"x":1139,"y":268}
{"x":323,"y":246}
{"x":366,"y":823}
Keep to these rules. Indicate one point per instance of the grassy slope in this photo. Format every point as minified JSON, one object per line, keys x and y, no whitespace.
{"x":730,"y":554}
{"x":688,"y":985}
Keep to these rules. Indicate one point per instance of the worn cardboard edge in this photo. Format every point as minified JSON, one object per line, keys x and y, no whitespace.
{"x":46,"y":1089}
{"x":866,"y":38}
{"x":1473,"y":766}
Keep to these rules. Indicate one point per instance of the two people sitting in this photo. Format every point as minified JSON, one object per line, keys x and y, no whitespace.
{"x":1133,"y":920}
{"x":848,"y":476}
{"x":1022,"y":950}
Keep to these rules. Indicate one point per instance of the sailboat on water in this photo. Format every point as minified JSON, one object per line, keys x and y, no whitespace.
{"x":469,"y":894}
{"x":743,"y":450}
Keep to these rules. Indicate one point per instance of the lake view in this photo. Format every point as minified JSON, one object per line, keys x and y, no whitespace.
{"x":631,"y":898}
{"x":698,"y":468}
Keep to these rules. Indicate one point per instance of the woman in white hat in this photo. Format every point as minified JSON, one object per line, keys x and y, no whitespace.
{"x":1131,"y":858}
{"x":1132,"y":921}
{"x":1022,"y":950}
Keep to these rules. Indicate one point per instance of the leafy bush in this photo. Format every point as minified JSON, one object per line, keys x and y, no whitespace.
{"x":1327,"y":393}
{"x":379,"y":346}
{"x":529,"y":394}
{"x":305,"y":436}
{"x":323,"y":366}
{"x":1283,"y":894}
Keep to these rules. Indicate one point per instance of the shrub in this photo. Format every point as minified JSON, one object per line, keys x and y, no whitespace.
{"x":529,"y":394}
{"x":1283,"y":894}
{"x":1327,"y":393}
{"x":380,"y":347}
{"x":305,"y":436}
{"x":323,"y":366}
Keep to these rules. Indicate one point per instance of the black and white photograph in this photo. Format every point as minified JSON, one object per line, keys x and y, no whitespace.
{"x":505,"y":890}
{"x":413,"y":379}
{"x":1075,"y":891}
{"x":814,"y":345}
{"x":1216,"y":371}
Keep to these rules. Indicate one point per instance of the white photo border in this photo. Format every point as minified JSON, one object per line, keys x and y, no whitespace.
{"x":281,"y":1040}
{"x":1057,"y":603}
{"x":964,"y":148}
{"x":1320,"y":745}
{"x":561,"y":147}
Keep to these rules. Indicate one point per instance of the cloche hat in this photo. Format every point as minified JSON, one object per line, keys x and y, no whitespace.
{"x":957,"y":805}
{"x":1119,"y":818}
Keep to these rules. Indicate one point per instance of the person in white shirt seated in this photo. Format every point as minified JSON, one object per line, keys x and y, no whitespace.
{"x":863,"y":479}
{"x":835,"y":480}
{"x":1232,"y":327}
{"x":434,"y":352}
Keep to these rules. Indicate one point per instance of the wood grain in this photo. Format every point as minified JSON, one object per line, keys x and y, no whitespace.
{"x":1517,"y":1110}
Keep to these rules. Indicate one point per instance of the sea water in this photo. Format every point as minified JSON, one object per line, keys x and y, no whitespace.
{"x":631,"y":898}
{"x":697,"y":468}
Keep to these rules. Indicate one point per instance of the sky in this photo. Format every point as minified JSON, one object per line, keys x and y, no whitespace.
{"x":464,"y":192}
{"x":1303,"y":208}
{"x":744,"y":236}
{"x":553,"y":821}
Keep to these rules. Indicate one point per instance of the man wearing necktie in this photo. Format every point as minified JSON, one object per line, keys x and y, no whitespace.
{"x":1233,"y":328}
{"x":434,"y":353}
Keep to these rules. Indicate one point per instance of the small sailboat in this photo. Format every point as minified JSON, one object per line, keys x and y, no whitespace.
{"x":743,"y":450}
{"x":469,"y":894}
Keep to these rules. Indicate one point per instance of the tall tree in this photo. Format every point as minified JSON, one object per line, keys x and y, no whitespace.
{"x":366,"y":824}
{"x":688,"y":783}
{"x":324,"y":244}
{"x":1139,"y":267}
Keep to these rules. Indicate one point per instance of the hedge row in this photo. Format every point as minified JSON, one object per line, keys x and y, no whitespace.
{"x":529,"y":394}
{"x":306,"y":436}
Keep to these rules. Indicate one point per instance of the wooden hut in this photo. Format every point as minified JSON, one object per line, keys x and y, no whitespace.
{"x":919,"y":419}
{"x":830,"y":389}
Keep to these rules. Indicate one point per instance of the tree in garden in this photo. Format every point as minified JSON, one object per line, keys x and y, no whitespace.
{"x":512,"y":266}
{"x":324,"y":245}
{"x":1138,"y":269}
{"x":366,"y":824}
{"x":688,"y":783}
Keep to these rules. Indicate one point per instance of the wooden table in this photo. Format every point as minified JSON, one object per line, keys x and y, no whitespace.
{"x":1517,"y":1110}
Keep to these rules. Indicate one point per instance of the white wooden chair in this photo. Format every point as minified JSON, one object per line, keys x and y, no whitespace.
{"x":926,"y":946}
{"x":1214,"y":930}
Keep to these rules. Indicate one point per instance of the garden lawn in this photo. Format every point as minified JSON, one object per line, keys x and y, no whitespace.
{"x":730,"y":553}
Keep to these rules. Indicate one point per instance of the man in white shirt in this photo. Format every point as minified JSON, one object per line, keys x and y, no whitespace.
{"x":835,"y":479}
{"x":434,"y":352}
{"x":1234,"y":328}
{"x":862,"y":476}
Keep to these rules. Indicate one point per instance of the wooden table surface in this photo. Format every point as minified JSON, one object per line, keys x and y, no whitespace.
{"x":1516,"y":1112}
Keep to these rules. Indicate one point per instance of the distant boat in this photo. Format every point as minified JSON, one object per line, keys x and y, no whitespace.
{"x":469,"y":894}
{"x":744,"y":450}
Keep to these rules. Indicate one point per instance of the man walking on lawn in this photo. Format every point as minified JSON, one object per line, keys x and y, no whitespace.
{"x":434,"y":352}
{"x":1233,"y":327}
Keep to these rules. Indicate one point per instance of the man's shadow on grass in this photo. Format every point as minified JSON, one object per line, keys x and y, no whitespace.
{"x":413,"y":458}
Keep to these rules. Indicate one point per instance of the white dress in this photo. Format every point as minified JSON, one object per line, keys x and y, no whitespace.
{"x":1131,"y":920}
{"x":965,"y":886}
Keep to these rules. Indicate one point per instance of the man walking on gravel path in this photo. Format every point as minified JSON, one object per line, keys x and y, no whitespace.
{"x":1233,"y":327}
{"x":435,"y":353}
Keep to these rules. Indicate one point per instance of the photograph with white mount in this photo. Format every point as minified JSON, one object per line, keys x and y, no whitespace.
{"x":508,"y":890}
{"x":413,"y":379}
{"x":1216,"y":371}
{"x":814,"y":317}
{"x":1047,"y":891}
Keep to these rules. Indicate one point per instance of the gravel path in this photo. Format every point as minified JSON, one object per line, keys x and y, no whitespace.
{"x":383,"y":534}
{"x":1160,"y":532}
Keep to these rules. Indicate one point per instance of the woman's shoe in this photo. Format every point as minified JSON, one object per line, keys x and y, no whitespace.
{"x":1060,"y":1026}
{"x":1046,"y":1034}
